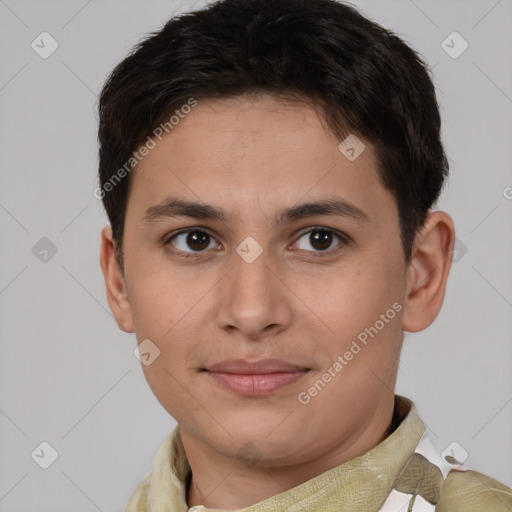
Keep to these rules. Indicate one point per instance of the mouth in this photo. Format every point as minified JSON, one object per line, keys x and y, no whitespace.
{"x":255,"y":378}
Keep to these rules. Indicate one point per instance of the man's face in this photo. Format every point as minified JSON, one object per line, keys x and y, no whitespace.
{"x":202,"y":292}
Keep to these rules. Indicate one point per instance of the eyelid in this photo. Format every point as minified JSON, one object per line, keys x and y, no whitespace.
{"x":169,"y":236}
{"x":167,"y":241}
{"x":340,"y":234}
{"x":344,"y":239}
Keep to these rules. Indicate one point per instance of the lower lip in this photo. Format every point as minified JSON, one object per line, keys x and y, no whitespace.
{"x":257,"y":384}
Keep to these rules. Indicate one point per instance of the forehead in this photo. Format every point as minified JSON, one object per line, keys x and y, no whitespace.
{"x":246,"y":152}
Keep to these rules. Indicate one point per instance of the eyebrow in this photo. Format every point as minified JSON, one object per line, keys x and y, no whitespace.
{"x":174,"y":207}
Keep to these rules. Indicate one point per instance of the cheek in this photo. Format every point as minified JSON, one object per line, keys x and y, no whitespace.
{"x":167,"y":383}
{"x":159,"y":296}
{"x":155,"y":309}
{"x":352,"y":299}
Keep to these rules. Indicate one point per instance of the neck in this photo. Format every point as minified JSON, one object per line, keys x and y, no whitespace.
{"x":226,"y":483}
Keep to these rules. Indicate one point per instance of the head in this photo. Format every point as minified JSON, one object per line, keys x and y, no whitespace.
{"x":268,"y":169}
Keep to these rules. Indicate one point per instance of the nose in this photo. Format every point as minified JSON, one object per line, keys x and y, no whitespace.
{"x":253,"y":300}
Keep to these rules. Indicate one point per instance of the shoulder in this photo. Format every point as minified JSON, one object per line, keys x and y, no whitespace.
{"x":470,"y":491}
{"x":138,"y":498}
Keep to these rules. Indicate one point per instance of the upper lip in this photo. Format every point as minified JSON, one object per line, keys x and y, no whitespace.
{"x":242,"y":366}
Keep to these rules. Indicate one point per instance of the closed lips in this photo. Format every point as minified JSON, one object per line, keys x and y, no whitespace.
{"x":262,"y":367}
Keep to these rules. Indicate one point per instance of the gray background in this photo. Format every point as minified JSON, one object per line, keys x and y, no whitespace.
{"x":69,"y":377}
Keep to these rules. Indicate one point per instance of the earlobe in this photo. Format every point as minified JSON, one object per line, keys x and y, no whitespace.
{"x":428,"y":271}
{"x":117,"y":295}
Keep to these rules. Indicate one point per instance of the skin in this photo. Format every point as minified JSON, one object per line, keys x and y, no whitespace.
{"x":253,"y":157}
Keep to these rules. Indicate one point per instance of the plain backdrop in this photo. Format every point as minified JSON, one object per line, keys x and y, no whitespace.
{"x":68,"y":375}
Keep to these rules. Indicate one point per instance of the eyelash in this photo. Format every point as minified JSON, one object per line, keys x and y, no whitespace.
{"x":344,"y":240}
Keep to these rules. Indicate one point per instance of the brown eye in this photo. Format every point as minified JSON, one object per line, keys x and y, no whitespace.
{"x":320,"y":240}
{"x":191,"y":241}
{"x":198,"y":240}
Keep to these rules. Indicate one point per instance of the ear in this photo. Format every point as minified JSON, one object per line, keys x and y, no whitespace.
{"x":428,"y":271}
{"x":117,"y":295}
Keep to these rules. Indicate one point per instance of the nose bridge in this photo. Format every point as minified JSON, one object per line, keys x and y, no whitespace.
{"x":251,"y":285}
{"x":253,"y":299}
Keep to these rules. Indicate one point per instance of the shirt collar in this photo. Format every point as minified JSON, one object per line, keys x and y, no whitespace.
{"x":362,"y":483}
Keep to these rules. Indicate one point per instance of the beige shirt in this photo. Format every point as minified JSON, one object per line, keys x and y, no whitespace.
{"x":404,"y":473}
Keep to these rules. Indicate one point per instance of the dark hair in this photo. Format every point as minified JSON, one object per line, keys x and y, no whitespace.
{"x":364,"y":79}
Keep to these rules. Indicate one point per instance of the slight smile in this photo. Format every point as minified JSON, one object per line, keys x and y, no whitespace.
{"x":255,"y":378}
